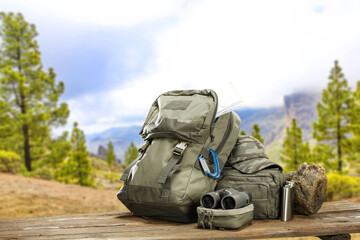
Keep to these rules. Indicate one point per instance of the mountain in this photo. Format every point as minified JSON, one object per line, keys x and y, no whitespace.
{"x":121,"y":137}
{"x":268,"y":119}
{"x":302,"y":106}
{"x":272,"y":122}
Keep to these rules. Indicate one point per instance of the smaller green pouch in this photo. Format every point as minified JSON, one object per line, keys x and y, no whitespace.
{"x":226,"y":219}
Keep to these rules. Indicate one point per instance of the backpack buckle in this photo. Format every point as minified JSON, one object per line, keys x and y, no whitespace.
{"x":180,"y":148}
{"x":143,"y":148}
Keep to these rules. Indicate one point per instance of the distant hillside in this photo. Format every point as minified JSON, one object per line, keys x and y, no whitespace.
{"x":24,"y":197}
{"x":121,"y":137}
{"x":272,"y":122}
{"x":302,"y":106}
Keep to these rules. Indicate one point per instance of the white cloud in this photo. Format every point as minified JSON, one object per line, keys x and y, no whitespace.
{"x":264,"y":48}
{"x":119,"y":13}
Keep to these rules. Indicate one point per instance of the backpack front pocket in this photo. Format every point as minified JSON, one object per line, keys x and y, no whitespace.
{"x":260,"y":196}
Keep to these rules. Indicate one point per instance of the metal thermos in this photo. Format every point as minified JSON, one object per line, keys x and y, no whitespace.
{"x":287,"y":206}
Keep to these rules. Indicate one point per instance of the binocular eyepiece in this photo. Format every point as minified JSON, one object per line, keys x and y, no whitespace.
{"x":228,"y":198}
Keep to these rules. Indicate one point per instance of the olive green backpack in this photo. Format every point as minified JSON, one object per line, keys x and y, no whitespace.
{"x":177,"y":163}
{"x":249,"y":169}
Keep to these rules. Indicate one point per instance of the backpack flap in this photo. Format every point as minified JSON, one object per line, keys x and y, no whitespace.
{"x":254,"y":165}
{"x":184,"y":115}
{"x":248,"y":156}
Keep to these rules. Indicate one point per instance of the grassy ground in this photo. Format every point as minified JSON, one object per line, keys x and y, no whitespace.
{"x":23,"y":197}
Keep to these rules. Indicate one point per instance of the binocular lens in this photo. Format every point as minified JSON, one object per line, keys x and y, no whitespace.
{"x":228,"y":203}
{"x":235,"y":199}
{"x":210,"y":200}
{"x":207,"y":201}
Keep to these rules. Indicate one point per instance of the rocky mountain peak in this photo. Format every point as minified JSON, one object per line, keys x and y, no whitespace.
{"x":302,"y":106}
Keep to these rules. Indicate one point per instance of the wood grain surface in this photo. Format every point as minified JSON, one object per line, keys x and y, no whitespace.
{"x":333,"y":218}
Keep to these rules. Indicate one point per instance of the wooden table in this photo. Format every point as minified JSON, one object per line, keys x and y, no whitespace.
{"x":333,"y":218}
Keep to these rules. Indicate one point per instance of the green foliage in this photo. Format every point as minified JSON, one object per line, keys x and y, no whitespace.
{"x":110,"y":155}
{"x":334,"y":113}
{"x":99,"y":164}
{"x":105,"y":177}
{"x":306,"y":153}
{"x":8,"y":138}
{"x":42,"y":172}
{"x":9,"y":162}
{"x":323,"y":154}
{"x":354,"y":155}
{"x":112,"y":177}
{"x":130,"y":154}
{"x":342,"y":186}
{"x":29,"y":95}
{"x":242,"y":132}
{"x":59,"y":149}
{"x":77,"y":169}
{"x":294,"y":151}
{"x":256,"y":133}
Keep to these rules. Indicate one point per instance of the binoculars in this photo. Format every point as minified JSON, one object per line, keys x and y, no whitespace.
{"x":227,"y":198}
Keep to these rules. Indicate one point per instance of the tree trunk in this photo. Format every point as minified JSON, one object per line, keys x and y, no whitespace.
{"x":339,"y":152}
{"x":21,"y":103}
{"x":27,"y":156}
{"x":339,"y":159}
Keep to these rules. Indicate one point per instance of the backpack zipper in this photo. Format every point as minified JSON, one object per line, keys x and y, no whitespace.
{"x":226,"y":135}
{"x":212,"y":126}
{"x":238,"y":183}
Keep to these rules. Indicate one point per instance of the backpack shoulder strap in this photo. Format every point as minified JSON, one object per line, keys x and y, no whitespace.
{"x":125,"y":176}
{"x":169,"y":169}
{"x":175,"y":158}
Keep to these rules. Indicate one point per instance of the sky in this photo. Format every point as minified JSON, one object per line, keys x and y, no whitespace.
{"x":117,"y":57}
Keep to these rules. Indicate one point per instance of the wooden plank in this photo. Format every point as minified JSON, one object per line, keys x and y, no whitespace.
{"x":338,"y":206}
{"x":334,"y":218}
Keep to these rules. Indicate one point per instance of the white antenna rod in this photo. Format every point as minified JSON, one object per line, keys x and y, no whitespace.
{"x":232,"y":106}
{"x":229,"y":108}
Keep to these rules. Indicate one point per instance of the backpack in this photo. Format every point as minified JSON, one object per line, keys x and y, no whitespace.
{"x":183,"y":138}
{"x":249,"y":169}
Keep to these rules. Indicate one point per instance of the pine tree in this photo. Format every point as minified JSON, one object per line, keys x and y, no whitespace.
{"x":30,"y":94}
{"x":294,"y":151}
{"x":242,"y":132}
{"x":110,"y":155}
{"x":78,"y":167}
{"x":334,"y":112}
{"x":7,"y":131}
{"x":59,"y":150}
{"x":130,"y":154}
{"x":256,"y":133}
{"x":355,"y":130}
{"x":323,"y":154}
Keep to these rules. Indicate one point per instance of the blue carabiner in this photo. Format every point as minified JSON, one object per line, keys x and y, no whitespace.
{"x":205,"y":167}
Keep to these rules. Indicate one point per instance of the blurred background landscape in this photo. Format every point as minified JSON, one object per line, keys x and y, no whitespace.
{"x":77,"y":80}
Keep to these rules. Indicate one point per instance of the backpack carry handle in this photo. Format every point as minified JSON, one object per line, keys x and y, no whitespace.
{"x":205,"y":167}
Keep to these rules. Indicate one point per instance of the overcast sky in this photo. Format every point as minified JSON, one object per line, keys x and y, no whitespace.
{"x":116,"y":57}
